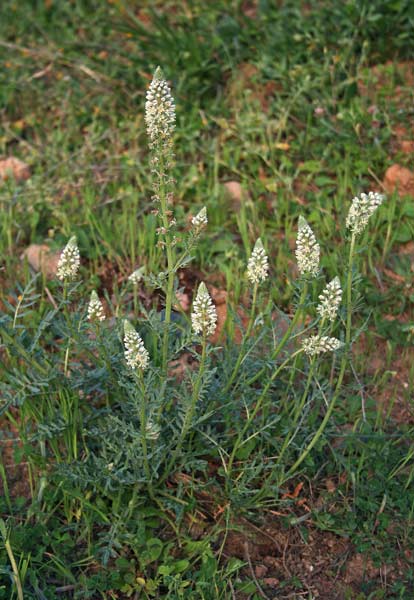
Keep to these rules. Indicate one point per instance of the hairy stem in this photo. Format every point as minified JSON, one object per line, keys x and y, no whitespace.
{"x":170,"y":264}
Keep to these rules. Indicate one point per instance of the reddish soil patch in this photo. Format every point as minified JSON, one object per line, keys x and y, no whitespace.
{"x":16,"y":473}
{"x":285,"y":565}
{"x":393,"y":80}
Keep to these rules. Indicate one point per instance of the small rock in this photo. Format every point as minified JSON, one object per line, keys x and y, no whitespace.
{"x":40,"y":258}
{"x":260,"y":571}
{"x":271,"y":581}
{"x":183,"y":300}
{"x":360,"y":568}
{"x":234,"y":190}
{"x":330,"y":485}
{"x":407,"y":146}
{"x":219,"y":298}
{"x":399,"y":178}
{"x":271,"y":561}
{"x":179,"y":368}
{"x":15,"y":168}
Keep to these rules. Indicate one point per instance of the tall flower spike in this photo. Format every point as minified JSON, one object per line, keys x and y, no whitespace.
{"x":200,"y":220}
{"x":95,"y":308}
{"x":69,"y":261}
{"x":329,"y":300}
{"x":136,"y":355}
{"x":307,"y":249}
{"x":159,"y":110}
{"x":204,"y":315}
{"x":362,"y":208}
{"x":318,"y":344}
{"x":257,"y":266}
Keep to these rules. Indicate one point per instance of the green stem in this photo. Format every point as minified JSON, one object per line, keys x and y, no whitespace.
{"x":143,"y":420}
{"x":170,"y":266}
{"x":256,"y":409}
{"x":43,"y":478}
{"x":13,"y":563}
{"x":349,"y":295}
{"x":135,"y":296}
{"x":341,"y":374}
{"x":301,"y":404}
{"x":286,"y":336}
{"x":190,"y":413}
{"x":298,"y":410}
{"x":107,"y":360}
{"x":243,"y":344}
{"x":29,"y":359}
{"x":186,"y":252}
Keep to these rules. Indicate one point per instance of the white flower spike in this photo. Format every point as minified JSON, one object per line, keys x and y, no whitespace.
{"x":307,"y":250}
{"x":69,"y":261}
{"x":362,"y":208}
{"x":200,"y":220}
{"x":330,"y":300}
{"x":159,"y":110}
{"x":257,"y":266}
{"x":204,"y":315}
{"x":136,"y":355}
{"x":318,"y":344}
{"x":95,"y":308}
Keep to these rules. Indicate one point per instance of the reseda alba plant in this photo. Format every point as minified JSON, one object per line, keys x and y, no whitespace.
{"x":115,"y":419}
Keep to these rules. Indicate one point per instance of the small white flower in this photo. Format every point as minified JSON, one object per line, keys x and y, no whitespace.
{"x":136,"y":355}
{"x":204,"y":315}
{"x":257,"y":266}
{"x":317,"y":344}
{"x":307,"y":249}
{"x":136,"y":276}
{"x":152,"y":430}
{"x":95,"y":308}
{"x":330,"y":299}
{"x":362,"y":208}
{"x":69,"y":261}
{"x":200,"y":220}
{"x":159,"y":110}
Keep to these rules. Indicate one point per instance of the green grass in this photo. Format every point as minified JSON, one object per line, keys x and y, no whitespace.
{"x":247,"y":88}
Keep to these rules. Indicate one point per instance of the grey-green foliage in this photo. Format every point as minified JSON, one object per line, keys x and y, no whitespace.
{"x":72,"y":357}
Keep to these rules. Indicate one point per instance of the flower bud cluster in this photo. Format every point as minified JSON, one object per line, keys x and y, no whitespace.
{"x":159,"y":110}
{"x":200,"y":220}
{"x":317,"y":344}
{"x":330,"y":300}
{"x":136,"y":355}
{"x":362,"y":208}
{"x":136,"y":276}
{"x":307,"y":250}
{"x":258,"y":266}
{"x":95,"y":308}
{"x":204,"y":315}
{"x":69,"y":261}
